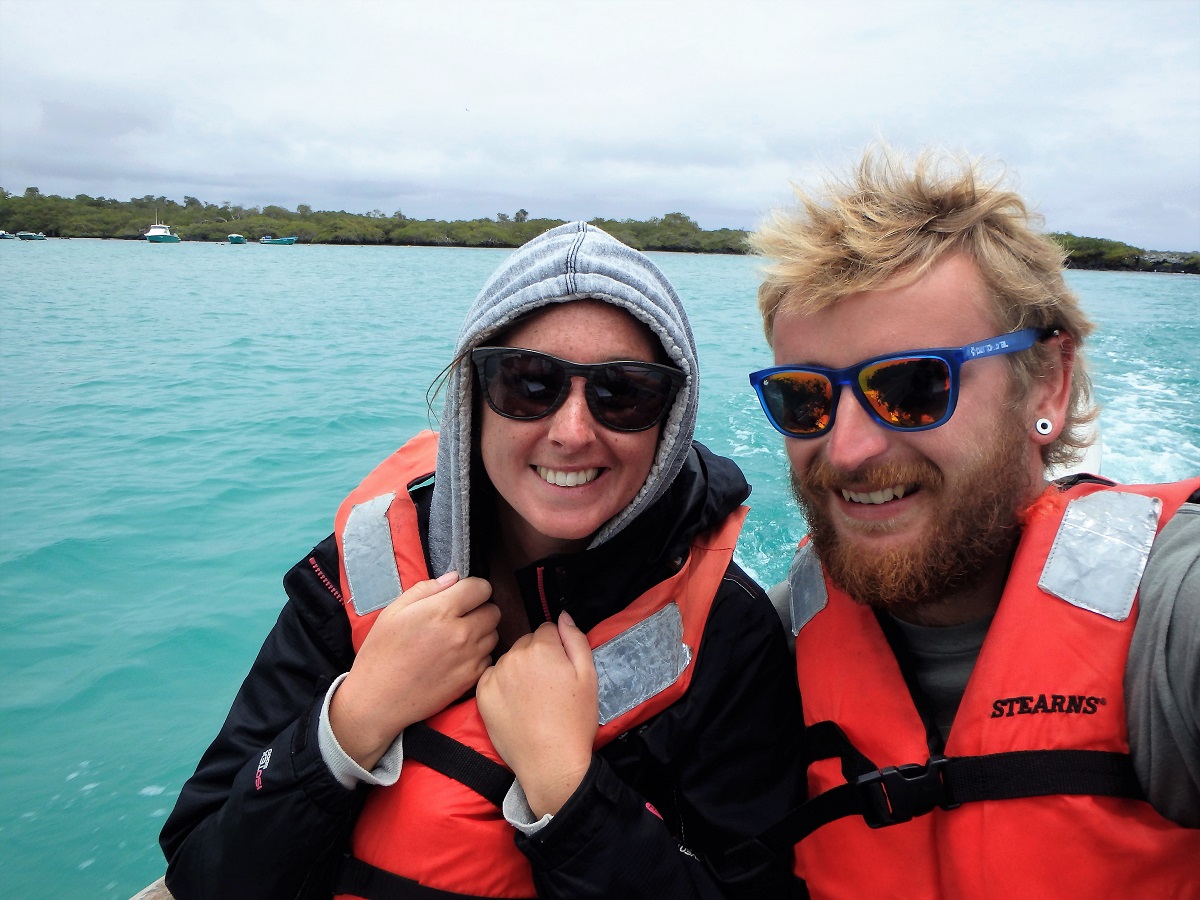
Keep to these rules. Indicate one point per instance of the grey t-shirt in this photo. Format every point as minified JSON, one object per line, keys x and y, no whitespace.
{"x":940,"y":661}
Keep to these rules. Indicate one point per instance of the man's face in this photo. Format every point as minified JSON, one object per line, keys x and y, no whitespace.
{"x":904,"y":518}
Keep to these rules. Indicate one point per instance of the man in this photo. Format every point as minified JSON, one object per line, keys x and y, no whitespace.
{"x":994,"y":707}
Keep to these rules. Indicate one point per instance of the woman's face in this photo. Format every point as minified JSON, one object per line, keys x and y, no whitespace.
{"x":560,"y":478}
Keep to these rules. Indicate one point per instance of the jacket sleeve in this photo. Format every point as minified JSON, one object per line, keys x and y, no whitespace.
{"x":263,"y":816}
{"x":660,"y":805}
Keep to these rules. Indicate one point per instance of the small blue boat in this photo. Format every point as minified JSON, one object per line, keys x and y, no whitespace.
{"x":267,"y":239}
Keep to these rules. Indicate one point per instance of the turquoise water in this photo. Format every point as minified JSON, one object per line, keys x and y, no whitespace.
{"x":179,"y":422}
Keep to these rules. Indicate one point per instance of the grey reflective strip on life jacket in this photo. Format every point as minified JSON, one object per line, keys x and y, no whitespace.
{"x":1100,"y":551}
{"x":369,"y":557}
{"x":806,"y":587}
{"x":638,"y":663}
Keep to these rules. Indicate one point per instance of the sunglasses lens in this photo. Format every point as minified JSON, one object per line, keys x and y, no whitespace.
{"x":800,"y":403}
{"x":629,"y":397}
{"x":908,"y":393}
{"x":523,"y":385}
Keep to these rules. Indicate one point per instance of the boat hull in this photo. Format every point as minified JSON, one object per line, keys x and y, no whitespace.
{"x":163,"y":238}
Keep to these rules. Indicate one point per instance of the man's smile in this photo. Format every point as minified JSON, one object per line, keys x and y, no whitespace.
{"x":895,"y":492}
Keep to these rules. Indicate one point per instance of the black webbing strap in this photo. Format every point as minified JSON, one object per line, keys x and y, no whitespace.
{"x":896,"y":794}
{"x":458,"y":761}
{"x":1040,"y":773}
{"x":362,"y":879}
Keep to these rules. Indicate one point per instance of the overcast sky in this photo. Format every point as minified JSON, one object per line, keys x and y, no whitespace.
{"x":614,"y":108}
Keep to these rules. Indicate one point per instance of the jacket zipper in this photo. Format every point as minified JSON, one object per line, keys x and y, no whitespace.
{"x":541,"y":582}
{"x":329,"y":584}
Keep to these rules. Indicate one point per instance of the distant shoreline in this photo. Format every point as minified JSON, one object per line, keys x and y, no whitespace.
{"x":1153,"y":263}
{"x":193,"y":220}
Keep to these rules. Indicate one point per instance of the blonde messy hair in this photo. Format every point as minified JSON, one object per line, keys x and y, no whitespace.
{"x":892,"y":219}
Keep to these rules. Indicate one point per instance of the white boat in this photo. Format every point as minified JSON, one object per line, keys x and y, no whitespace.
{"x":158,"y":233}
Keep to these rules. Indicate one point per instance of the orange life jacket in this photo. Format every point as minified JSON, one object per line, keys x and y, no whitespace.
{"x":1049,"y":677}
{"x":436,"y":830}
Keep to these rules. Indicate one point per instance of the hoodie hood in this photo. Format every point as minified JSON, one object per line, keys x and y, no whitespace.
{"x":571,"y":262}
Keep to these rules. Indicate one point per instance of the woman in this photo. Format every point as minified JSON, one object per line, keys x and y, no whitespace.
{"x":565,"y":525}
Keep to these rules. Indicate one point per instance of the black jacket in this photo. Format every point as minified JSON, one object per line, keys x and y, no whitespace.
{"x":719,"y":765}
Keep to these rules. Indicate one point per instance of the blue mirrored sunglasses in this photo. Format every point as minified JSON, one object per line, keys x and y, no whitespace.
{"x":912,"y":391}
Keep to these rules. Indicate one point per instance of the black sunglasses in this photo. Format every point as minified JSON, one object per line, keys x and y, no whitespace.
{"x":912,"y":391}
{"x":624,"y":395}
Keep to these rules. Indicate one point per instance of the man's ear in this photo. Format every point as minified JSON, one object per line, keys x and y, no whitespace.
{"x":1051,"y":394}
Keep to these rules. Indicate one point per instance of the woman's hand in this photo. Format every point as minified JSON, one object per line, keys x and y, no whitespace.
{"x":425,"y":650}
{"x":540,"y":706}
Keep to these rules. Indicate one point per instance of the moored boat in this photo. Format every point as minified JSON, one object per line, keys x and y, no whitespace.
{"x":31,"y":236}
{"x":236,"y":239}
{"x":267,"y":239}
{"x":158,"y":233}
{"x":6,"y":236}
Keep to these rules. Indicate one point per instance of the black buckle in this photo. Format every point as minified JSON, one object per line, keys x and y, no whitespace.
{"x":899,"y":793}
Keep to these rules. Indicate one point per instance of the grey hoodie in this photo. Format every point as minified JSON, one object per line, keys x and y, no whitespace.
{"x":570,"y":262}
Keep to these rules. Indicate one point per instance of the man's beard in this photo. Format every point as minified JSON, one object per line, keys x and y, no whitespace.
{"x":975,"y":525}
